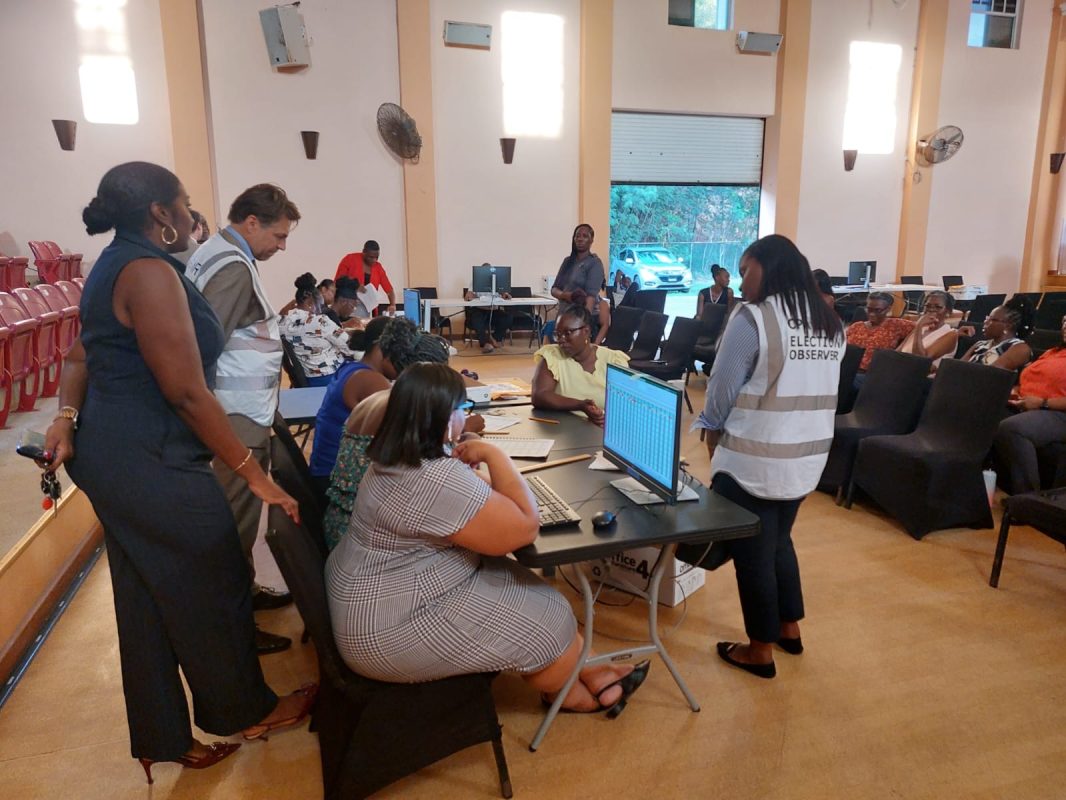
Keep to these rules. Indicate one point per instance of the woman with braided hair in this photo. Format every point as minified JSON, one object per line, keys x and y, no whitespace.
{"x":1007,"y":327}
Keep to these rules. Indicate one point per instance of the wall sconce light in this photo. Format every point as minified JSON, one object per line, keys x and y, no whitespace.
{"x":66,"y":129}
{"x":310,"y":139}
{"x":849,"y":159}
{"x":1056,"y":162}
{"x":507,"y":146}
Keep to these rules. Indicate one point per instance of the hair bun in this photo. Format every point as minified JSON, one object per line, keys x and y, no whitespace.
{"x":98,"y":217}
{"x":305,"y":282}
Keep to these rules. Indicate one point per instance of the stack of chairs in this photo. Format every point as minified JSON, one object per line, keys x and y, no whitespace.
{"x":53,"y":264}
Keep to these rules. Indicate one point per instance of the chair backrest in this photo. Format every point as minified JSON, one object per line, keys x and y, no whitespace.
{"x":71,"y":290}
{"x":16,"y":271}
{"x":712,"y":320}
{"x":894,"y":392}
{"x":849,"y":367}
{"x":651,"y":299}
{"x":293,"y":368}
{"x":289,"y":468}
{"x":677,"y":349}
{"x":624,"y":324}
{"x":649,"y":336}
{"x":4,"y":264}
{"x":1043,"y":340}
{"x":303,"y":568}
{"x":1052,"y":308}
{"x":982,"y":306}
{"x":521,"y":291}
{"x":951,"y":280}
{"x":523,"y":316}
{"x":965,"y":405}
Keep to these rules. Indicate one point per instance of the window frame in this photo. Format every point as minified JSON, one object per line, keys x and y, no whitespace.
{"x":1015,"y":15}
{"x":727,"y":25}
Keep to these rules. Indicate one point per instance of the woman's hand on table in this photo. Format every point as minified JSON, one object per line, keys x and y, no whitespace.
{"x":593,"y":412}
{"x":475,"y":451}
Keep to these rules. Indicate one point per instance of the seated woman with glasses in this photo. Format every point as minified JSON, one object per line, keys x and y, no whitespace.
{"x":877,"y":332}
{"x":932,"y":337}
{"x":420,"y":588}
{"x":572,"y":375}
{"x":1006,"y":328}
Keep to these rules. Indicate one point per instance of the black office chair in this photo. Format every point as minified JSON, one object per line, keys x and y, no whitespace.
{"x":1051,"y":311}
{"x":676,"y":354}
{"x":289,"y":470}
{"x":931,"y":479}
{"x":624,"y":323}
{"x":437,"y":321}
{"x":950,"y":281}
{"x":651,"y":299}
{"x":712,"y":321}
{"x":524,"y":318}
{"x":373,"y":733}
{"x":649,"y":336}
{"x":292,"y":366}
{"x":1045,"y":511}
{"x":849,"y":368}
{"x":912,"y":301}
{"x":889,"y":403}
{"x":981,"y":307}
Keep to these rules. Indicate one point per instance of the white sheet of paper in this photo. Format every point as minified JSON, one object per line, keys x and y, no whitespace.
{"x":517,"y":447}
{"x":494,"y":422}
{"x":599,"y":462}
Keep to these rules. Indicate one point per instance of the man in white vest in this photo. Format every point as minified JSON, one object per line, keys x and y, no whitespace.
{"x":225,"y":269}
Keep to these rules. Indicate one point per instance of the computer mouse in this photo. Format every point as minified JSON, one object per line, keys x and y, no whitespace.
{"x":602,"y":519}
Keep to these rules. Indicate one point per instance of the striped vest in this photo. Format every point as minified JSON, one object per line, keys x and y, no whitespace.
{"x":249,"y":369}
{"x":776,"y":439}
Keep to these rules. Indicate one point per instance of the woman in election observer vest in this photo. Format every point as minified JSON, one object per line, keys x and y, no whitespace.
{"x":771,"y":399}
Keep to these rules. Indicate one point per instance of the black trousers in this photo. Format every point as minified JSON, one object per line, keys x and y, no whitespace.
{"x":768,"y":577}
{"x":478,"y":320}
{"x":181,"y":583}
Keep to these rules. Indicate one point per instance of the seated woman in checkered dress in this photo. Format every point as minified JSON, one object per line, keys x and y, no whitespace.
{"x":420,"y":588}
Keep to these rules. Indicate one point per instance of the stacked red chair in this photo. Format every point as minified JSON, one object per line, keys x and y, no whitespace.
{"x":16,"y":272}
{"x":72,"y":291}
{"x":4,"y":263}
{"x":6,"y":383}
{"x":69,"y":322}
{"x":46,"y":261}
{"x":21,"y":353}
{"x":75,"y":266}
{"x":49,"y":339}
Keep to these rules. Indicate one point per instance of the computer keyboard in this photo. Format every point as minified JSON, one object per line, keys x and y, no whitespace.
{"x":553,"y":509}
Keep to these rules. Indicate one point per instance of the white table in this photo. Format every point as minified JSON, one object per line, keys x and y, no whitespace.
{"x":888,"y":287}
{"x":459,"y":302}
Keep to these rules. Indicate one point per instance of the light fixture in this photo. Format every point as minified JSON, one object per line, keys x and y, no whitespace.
{"x":66,"y":129}
{"x":310,"y":139}
{"x":1056,"y":162}
{"x":849,"y":159}
{"x":507,"y":146}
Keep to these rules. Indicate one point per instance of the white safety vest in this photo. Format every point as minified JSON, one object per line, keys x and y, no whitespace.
{"x":776,"y":439}
{"x":249,"y":368}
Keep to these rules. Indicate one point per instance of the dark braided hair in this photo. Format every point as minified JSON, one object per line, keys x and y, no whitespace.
{"x":1021,"y":316}
{"x":305,"y":287}
{"x":403,"y":344}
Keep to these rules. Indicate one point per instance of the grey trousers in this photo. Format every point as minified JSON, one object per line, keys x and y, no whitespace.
{"x":1017,"y":440}
{"x":247,"y":508}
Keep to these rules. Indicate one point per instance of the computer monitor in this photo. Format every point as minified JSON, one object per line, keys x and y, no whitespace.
{"x":861,"y":273}
{"x":412,"y":306}
{"x":490,"y":280}
{"x":642,"y":429}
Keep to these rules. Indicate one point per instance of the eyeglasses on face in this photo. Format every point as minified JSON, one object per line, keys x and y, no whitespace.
{"x":566,"y":333}
{"x":876,"y":310}
{"x":465,"y":405}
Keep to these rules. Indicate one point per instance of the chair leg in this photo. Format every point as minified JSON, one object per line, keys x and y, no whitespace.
{"x":687,"y":401}
{"x":501,"y":767}
{"x":850,"y":494}
{"x":1001,"y":548}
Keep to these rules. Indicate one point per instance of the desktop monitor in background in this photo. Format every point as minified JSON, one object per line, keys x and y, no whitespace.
{"x":642,"y":429}
{"x":861,"y":273}
{"x":412,"y":306}
{"x":490,"y":280}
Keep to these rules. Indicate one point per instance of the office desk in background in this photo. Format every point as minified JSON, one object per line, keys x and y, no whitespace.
{"x":538,"y":301}
{"x":300,"y":406}
{"x":887,"y":287}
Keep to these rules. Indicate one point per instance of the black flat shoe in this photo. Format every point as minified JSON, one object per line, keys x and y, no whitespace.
{"x":264,"y":599}
{"x":791,"y":646}
{"x":266,"y":643}
{"x":761,"y":670}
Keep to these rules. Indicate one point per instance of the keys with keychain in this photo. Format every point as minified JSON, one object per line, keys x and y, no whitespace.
{"x":50,"y":489}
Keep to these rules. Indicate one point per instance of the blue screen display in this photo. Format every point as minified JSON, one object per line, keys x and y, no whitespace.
{"x":412,"y":306}
{"x":642,"y":425}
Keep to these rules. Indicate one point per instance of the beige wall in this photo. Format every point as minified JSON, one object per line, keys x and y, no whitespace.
{"x":661,"y":67}
{"x":980,"y":199}
{"x":354,"y":190}
{"x":44,"y":188}
{"x":520,"y":214}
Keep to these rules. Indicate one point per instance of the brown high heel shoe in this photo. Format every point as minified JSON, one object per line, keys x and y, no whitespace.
{"x":216,"y":751}
{"x":259,"y":732}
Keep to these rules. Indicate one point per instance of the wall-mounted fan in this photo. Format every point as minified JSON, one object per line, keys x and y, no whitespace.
{"x":939,"y":146}
{"x":399,"y":131}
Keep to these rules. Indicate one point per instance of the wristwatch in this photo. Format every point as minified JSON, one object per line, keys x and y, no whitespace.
{"x":68,"y":412}
{"x":1044,"y":405}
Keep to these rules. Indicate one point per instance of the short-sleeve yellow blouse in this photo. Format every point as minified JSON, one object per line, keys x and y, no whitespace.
{"x":570,"y":375}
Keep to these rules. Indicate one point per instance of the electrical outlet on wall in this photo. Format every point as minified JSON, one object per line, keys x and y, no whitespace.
{"x":546,"y":282}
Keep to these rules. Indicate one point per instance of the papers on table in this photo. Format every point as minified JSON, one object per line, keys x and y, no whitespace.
{"x":499,"y":422}
{"x":600,"y":462}
{"x":517,"y":447}
{"x":636,"y":493}
{"x":512,"y":388}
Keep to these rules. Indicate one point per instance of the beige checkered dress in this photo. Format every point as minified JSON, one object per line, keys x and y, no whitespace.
{"x":408,"y":606}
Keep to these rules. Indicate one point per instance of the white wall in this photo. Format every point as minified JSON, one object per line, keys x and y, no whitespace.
{"x":354,"y":190}
{"x":851,"y":216}
{"x":669,"y":68}
{"x":520,"y":214}
{"x":980,"y":199}
{"x":43,"y":189}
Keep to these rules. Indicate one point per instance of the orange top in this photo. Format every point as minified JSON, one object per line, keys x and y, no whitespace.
{"x":1045,"y":377}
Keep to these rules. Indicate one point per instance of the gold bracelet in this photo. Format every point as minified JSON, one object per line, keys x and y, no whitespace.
{"x":245,"y":461}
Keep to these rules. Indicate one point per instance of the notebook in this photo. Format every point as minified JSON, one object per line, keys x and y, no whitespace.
{"x":517,"y":447}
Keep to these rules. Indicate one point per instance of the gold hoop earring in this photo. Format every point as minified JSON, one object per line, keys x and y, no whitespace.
{"x":163,"y":234}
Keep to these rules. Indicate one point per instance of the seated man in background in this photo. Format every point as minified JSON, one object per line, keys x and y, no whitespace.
{"x":480,"y":319}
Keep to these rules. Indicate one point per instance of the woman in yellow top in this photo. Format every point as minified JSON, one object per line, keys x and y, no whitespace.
{"x":572,"y":375}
